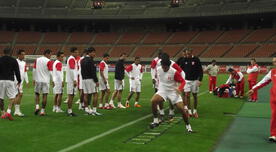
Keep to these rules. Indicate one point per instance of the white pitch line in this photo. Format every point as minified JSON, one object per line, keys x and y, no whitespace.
{"x":86,"y":141}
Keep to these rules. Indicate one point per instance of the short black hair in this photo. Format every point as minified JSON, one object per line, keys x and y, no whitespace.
{"x":47,"y":51}
{"x":7,"y":51}
{"x":214,"y":61}
{"x":253,"y":59}
{"x":137,"y":57}
{"x":59,"y":53}
{"x":105,"y":55}
{"x":122,"y":54}
{"x":90,"y":49}
{"x":165,"y":56}
{"x":20,"y":51}
{"x":230,"y":70}
{"x":73,"y":49}
{"x":165,"y":62}
{"x":160,"y":52}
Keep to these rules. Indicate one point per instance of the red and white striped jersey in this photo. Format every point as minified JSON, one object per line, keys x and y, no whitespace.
{"x":103,"y":67}
{"x":71,"y":69}
{"x":253,"y":71}
{"x":135,"y":71}
{"x":168,"y":81}
{"x":57,"y":72}
{"x":154,"y":65}
{"x":23,"y":71}
{"x":41,"y":70}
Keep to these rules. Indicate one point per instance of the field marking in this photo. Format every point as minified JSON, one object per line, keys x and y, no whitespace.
{"x":86,"y":141}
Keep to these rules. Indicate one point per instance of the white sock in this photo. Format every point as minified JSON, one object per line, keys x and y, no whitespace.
{"x":190,"y":111}
{"x":188,"y":127}
{"x":70,"y":111}
{"x":111,"y":102}
{"x":94,"y":109}
{"x":136,"y":103}
{"x":37,"y":106}
{"x":87,"y":109}
{"x":17,"y":107}
{"x":171,"y":112}
{"x":194,"y":110}
{"x":155,"y":120}
{"x":42,"y":110}
{"x":161,"y":111}
{"x":9,"y":111}
{"x":185,"y":107}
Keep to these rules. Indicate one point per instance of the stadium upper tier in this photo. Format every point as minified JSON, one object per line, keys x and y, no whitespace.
{"x":125,"y":9}
{"x":206,"y":44}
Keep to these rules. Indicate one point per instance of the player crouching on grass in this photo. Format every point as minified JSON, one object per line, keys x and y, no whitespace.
{"x":58,"y":82}
{"x":238,"y":76}
{"x":135,"y":74}
{"x":167,"y":90}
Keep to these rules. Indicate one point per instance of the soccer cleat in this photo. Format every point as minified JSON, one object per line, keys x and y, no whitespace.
{"x":80,"y":107}
{"x":19,"y":114}
{"x":236,"y":96}
{"x":3,"y":116}
{"x":71,"y":114}
{"x":127,"y":104}
{"x":210,"y":92}
{"x":42,"y":114}
{"x":96,"y":114}
{"x":36,"y":111}
{"x":162,"y":119}
{"x":59,"y":111}
{"x":272,"y":139}
{"x":77,"y":102}
{"x":189,"y":128}
{"x":153,"y":125}
{"x":108,"y":107}
{"x":54,"y":109}
{"x":112,"y":105}
{"x":137,"y":105}
{"x":195,"y":115}
{"x":170,"y":117}
{"x":7,"y":116}
{"x":121,"y":106}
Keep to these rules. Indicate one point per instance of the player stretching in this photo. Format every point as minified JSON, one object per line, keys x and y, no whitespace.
{"x":212,"y":70}
{"x":238,"y":76}
{"x":135,"y":74}
{"x":119,"y":82}
{"x":104,"y":84}
{"x":8,"y":68}
{"x":58,"y":81}
{"x":90,"y":81}
{"x":24,"y":76}
{"x":41,"y":80}
{"x":271,"y":76}
{"x":71,"y":79}
{"x":167,"y":90}
{"x":253,"y":71}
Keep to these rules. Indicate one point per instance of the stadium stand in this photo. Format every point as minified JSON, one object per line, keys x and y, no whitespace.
{"x":6,"y":36}
{"x":172,"y":50}
{"x":80,"y":37}
{"x":207,"y":37}
{"x":266,"y":50}
{"x":145,"y":51}
{"x":156,"y":38}
{"x":28,"y":37}
{"x":241,"y":50}
{"x":55,"y":37}
{"x":233,"y":36}
{"x":182,"y":37}
{"x":260,"y":35}
{"x":216,"y":51}
{"x":106,"y":38}
{"x":118,"y":50}
{"x":131,"y":38}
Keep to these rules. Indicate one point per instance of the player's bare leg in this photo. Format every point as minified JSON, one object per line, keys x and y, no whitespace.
{"x":119,"y":97}
{"x":95,"y":104}
{"x":70,"y":103}
{"x":8,"y":113}
{"x":155,"y":101}
{"x":107,"y":94}
{"x":188,"y":100}
{"x":185,"y":115}
{"x":2,"y":109}
{"x":195,"y":114}
{"x":55,"y":103}
{"x":44,"y":102}
{"x":101,"y":105}
{"x":171,"y":111}
{"x":136,"y":104}
{"x":87,"y":98}
{"x":17,"y":105}
{"x":81,"y":103}
{"x":58,"y":104}
{"x":114,"y":95}
{"x":36,"y":104}
{"x":128,"y":99}
{"x":161,"y":111}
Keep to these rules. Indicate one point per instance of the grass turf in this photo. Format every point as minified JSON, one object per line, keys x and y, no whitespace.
{"x":57,"y":131}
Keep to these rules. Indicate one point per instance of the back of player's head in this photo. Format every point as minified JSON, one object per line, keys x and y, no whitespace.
{"x":253,"y":59}
{"x":105,"y":55}
{"x":20,"y":51}
{"x":137,"y":58}
{"x":73,"y":49}
{"x":160,"y":52}
{"x":7,"y":51}
{"x":230,"y":70}
{"x":165,"y":62}
{"x":165,"y":56}
{"x":59,"y":53}
{"x":47,"y":52}
{"x":90,"y":50}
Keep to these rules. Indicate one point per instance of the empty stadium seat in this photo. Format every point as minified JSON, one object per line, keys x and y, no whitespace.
{"x":28,"y":37}
{"x":118,"y":50}
{"x":182,"y":37}
{"x":129,"y":38}
{"x":233,"y":36}
{"x":145,"y":51}
{"x":172,"y":50}
{"x":55,"y":37}
{"x":216,"y":51}
{"x":153,"y":38}
{"x":261,"y":35}
{"x":266,"y":50}
{"x":81,"y":37}
{"x":6,"y":36}
{"x":197,"y":49}
{"x":29,"y":49}
{"x":54,"y":48}
{"x":240,"y":51}
{"x":207,"y":36}
{"x":106,"y":38}
{"x":100,"y":50}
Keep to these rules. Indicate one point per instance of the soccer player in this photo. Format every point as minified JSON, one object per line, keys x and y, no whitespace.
{"x":271,"y":76}
{"x":191,"y":65}
{"x":119,"y":82}
{"x":167,"y":90}
{"x":90,"y":81}
{"x":103,"y":83}
{"x":253,"y":71}
{"x":81,"y":100}
{"x":238,"y":76}
{"x":58,"y":82}
{"x":153,"y":67}
{"x":8,"y":68}
{"x":135,"y":74}
{"x":41,"y":80}
{"x":24,"y":76}
{"x":212,"y":70}
{"x":71,"y":78}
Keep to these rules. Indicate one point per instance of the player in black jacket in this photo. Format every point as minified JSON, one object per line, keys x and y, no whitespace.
{"x":119,"y":81}
{"x":191,"y":65}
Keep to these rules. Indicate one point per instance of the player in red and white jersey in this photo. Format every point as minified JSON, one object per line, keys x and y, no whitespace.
{"x":270,"y":77}
{"x":80,"y":87}
{"x":58,"y":81}
{"x":71,"y":78}
{"x":238,"y":76}
{"x":103,"y":83}
{"x":253,"y":72}
{"x":41,"y":79}
{"x":153,"y":68}
{"x":168,"y":89}
{"x":24,"y":76}
{"x":135,"y":74}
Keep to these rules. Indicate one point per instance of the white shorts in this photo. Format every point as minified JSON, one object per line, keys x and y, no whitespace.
{"x":58,"y":89}
{"x":42,"y":87}
{"x":172,"y":96}
{"x":80,"y":83}
{"x":7,"y":89}
{"x":118,"y":85}
{"x":89,"y":86}
{"x":71,"y":90}
{"x":103,"y":86}
{"x":191,"y":86}
{"x":134,"y":85}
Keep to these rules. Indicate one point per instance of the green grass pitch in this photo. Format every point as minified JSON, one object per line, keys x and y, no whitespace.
{"x":58,"y":131}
